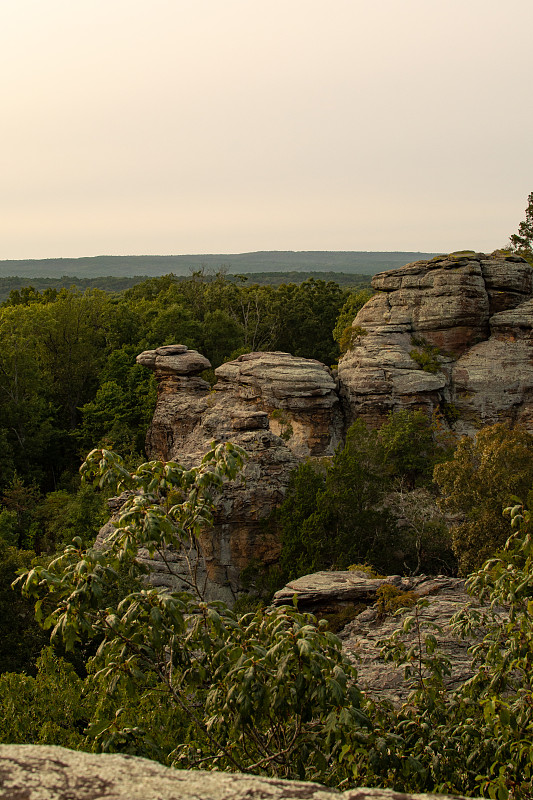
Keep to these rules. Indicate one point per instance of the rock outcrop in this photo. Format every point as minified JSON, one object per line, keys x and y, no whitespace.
{"x":33,"y":772}
{"x":279,"y":408}
{"x":320,"y":590}
{"x":362,"y":637}
{"x":294,"y":398}
{"x":450,"y":335}
{"x":493,"y":381}
{"x":327,"y":593}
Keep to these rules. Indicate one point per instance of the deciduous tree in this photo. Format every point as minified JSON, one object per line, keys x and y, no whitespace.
{"x":268,"y":692}
{"x":478,"y":483}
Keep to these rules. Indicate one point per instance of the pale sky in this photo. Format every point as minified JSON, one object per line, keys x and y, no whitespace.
{"x":225,"y":126}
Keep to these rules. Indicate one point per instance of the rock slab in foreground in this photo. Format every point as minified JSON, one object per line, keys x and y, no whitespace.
{"x":43,"y":772}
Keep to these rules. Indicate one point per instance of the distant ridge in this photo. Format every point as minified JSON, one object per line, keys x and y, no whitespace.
{"x":360,"y":262}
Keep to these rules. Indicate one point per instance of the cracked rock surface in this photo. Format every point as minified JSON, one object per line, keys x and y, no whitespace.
{"x":324,"y":593}
{"x":451,"y":335}
{"x":44,"y":772}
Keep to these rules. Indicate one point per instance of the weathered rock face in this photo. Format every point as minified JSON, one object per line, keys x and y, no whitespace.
{"x":361,"y":638}
{"x":33,"y":772}
{"x":182,"y":397}
{"x":493,"y":381}
{"x":294,"y":398}
{"x":298,"y":394}
{"x":279,"y":408}
{"x":466,"y":318}
{"x":326,"y":593}
{"x":317,"y":591}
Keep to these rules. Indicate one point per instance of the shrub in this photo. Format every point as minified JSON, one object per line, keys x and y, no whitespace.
{"x":427,"y":356}
{"x":347,"y":512}
{"x":477,"y":483}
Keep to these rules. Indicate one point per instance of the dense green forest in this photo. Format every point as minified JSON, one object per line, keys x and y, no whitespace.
{"x":145,"y":671}
{"x":111,"y":283}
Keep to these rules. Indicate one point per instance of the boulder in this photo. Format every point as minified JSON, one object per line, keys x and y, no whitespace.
{"x":45,"y":772}
{"x":314,"y":592}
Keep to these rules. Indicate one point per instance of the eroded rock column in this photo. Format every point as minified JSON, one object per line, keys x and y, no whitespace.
{"x":277,"y":407}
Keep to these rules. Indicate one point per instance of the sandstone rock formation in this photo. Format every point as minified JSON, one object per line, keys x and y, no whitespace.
{"x":294,"y":398}
{"x":278,"y":408}
{"x":33,"y":772}
{"x":493,"y":381}
{"x":325,"y":593}
{"x":322,"y":589}
{"x":451,"y":335}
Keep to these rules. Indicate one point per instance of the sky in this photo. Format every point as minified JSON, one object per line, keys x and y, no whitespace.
{"x":134,"y":127}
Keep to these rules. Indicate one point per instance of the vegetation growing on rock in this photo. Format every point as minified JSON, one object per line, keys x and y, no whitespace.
{"x":351,"y":510}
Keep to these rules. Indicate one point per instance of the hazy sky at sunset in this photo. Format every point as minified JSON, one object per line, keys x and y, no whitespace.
{"x":224,"y":126}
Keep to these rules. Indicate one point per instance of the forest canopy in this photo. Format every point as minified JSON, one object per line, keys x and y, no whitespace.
{"x":68,"y":377}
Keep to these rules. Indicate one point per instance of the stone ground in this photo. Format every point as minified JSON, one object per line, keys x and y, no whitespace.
{"x":42,"y":772}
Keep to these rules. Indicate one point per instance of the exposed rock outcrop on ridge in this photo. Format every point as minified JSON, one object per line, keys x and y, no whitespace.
{"x":45,"y":772}
{"x":466,"y":318}
{"x":298,"y":394}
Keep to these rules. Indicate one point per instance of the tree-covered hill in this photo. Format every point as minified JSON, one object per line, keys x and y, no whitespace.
{"x":367,"y":263}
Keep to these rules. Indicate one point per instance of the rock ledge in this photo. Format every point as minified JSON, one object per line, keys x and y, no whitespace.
{"x":33,"y":772}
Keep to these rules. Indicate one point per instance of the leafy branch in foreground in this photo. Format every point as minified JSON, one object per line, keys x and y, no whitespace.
{"x":166,"y":505}
{"x":194,"y":684}
{"x":478,"y":738}
{"x":268,"y":692}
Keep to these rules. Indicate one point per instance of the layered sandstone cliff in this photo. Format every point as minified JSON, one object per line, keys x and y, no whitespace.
{"x":451,"y":335}
{"x":279,"y":408}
